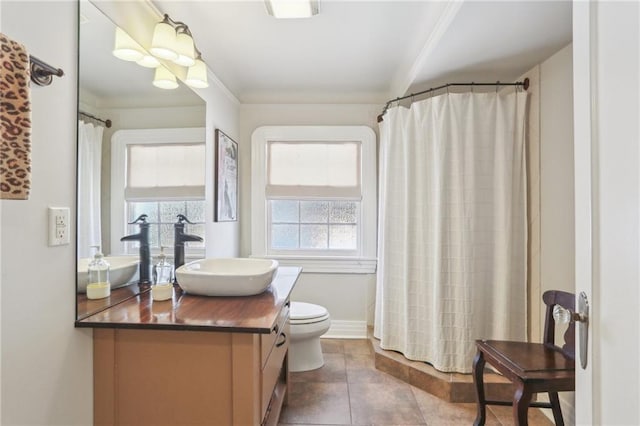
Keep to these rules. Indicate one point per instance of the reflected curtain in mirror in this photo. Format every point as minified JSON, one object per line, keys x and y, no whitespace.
{"x":89,"y":169}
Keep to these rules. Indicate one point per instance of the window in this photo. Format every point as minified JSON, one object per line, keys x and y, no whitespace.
{"x":160,"y":173}
{"x":313,"y":197}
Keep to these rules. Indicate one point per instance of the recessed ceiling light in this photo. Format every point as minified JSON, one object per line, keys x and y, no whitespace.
{"x":290,"y":9}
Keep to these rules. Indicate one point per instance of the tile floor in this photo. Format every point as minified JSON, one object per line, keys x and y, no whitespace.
{"x":348,"y":390}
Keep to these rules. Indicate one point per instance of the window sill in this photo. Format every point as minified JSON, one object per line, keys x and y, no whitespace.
{"x":334,"y":265}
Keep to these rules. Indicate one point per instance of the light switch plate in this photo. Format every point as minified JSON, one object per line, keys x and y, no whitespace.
{"x":58,"y":226}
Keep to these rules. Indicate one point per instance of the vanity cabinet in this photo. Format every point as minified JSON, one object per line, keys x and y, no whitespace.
{"x":194,"y":360}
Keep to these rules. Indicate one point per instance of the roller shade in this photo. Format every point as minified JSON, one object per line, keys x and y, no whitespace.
{"x":314,"y":170}
{"x":165,"y":171}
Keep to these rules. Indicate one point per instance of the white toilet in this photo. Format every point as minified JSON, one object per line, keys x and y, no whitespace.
{"x":308,"y":322}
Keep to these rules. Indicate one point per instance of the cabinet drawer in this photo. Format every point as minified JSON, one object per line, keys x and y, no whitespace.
{"x":274,"y":366}
{"x":268,"y":341}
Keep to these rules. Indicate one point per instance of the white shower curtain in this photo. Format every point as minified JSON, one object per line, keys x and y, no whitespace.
{"x":89,"y":169}
{"x":452,"y":227}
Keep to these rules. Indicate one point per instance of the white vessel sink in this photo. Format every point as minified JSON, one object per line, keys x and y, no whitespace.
{"x":226,"y":276}
{"x":122,"y":271}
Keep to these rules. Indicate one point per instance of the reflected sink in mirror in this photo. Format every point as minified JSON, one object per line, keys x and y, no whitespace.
{"x":226,"y":276}
{"x":123,"y":270}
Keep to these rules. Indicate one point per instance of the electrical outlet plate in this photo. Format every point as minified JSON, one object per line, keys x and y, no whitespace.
{"x":58,"y":226}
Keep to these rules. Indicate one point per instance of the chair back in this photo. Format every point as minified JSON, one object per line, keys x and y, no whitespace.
{"x":567,"y":301}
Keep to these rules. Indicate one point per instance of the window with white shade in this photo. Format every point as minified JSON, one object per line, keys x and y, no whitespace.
{"x":313,"y":197}
{"x":160,"y":173}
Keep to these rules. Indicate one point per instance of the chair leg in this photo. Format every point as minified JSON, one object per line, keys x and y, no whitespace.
{"x":521,"y":401}
{"x":478,"y":380}
{"x":555,"y":407}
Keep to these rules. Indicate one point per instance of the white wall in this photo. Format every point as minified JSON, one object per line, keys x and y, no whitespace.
{"x":556,"y":173}
{"x":348,"y":297}
{"x":556,"y":245}
{"x":46,"y":362}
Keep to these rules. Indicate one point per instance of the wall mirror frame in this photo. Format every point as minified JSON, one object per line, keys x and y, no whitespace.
{"x":122,"y":92}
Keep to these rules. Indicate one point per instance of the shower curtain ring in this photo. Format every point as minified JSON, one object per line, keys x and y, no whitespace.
{"x":472,"y":86}
{"x":497,"y":85}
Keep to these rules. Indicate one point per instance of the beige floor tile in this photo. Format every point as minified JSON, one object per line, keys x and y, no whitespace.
{"x":333,"y":370}
{"x":505,"y":415}
{"x":332,"y":346}
{"x":361,"y":369}
{"x":384,"y":404}
{"x":437,"y":412}
{"x":318,"y":404}
{"x":357,"y":346}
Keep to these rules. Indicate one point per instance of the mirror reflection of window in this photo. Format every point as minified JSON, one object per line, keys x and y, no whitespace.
{"x":160,"y":173}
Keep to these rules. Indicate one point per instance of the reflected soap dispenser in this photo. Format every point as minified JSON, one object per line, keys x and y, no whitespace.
{"x":162,"y":278}
{"x":99,"y":285}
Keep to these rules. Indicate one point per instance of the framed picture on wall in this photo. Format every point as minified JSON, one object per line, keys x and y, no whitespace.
{"x":226,"y":188}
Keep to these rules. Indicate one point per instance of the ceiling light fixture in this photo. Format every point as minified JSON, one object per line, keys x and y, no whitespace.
{"x":171,"y":41}
{"x":290,"y":9}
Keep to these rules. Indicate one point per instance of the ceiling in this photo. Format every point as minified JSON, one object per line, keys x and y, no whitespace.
{"x":365,"y":51}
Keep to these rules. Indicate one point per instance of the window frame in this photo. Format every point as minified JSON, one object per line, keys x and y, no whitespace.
{"x":120,"y":141}
{"x":363,"y":260}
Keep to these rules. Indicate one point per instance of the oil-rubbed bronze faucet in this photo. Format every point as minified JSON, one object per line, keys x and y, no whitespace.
{"x":145,"y":253}
{"x":179,"y":238}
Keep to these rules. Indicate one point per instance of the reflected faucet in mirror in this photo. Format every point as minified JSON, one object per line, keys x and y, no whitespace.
{"x":180,"y":238}
{"x":145,"y":253}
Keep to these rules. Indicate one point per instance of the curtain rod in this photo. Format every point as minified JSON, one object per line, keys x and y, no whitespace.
{"x":106,"y":122}
{"x":41,"y":72}
{"x":524,"y":84}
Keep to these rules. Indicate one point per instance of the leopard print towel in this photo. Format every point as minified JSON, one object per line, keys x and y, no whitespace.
{"x":15,"y":121}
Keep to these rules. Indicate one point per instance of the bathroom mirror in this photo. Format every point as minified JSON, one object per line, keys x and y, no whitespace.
{"x":121,"y":92}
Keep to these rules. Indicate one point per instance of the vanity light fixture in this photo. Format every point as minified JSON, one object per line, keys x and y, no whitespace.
{"x":197,"y":74}
{"x":148,"y":61}
{"x":185,"y":48}
{"x":126,"y":48}
{"x":288,"y":9}
{"x":171,"y":41}
{"x":164,"y":79}
{"x":163,"y":44}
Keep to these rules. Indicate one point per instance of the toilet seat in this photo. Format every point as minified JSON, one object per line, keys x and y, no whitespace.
{"x":307,"y":313}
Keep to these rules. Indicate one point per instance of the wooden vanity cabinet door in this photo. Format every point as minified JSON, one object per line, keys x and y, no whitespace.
{"x":268,"y":341}
{"x":274,"y":366}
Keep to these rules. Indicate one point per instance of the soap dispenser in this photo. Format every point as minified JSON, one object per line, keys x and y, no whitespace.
{"x":162,"y":278}
{"x":99,"y":286}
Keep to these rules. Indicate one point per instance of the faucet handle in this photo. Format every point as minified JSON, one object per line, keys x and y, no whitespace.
{"x":141,"y":219}
{"x":182,"y":218}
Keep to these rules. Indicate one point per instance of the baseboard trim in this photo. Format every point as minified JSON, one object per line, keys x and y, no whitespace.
{"x":347,"y":330}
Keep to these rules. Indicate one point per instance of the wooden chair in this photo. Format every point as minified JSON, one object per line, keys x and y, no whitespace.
{"x":531,"y":367}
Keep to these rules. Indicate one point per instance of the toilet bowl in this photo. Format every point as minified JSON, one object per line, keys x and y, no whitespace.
{"x":308,"y":322}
